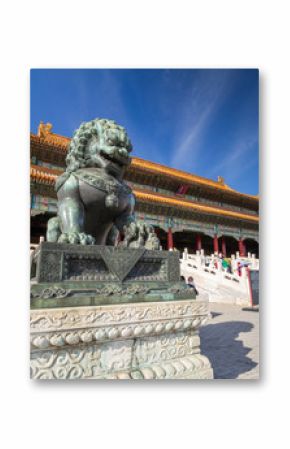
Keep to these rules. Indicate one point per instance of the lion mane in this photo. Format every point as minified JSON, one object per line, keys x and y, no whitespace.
{"x":76,"y":155}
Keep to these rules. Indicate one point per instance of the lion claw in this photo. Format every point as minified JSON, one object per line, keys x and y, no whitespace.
{"x":75,"y":238}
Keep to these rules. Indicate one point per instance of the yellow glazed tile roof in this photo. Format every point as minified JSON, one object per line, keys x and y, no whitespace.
{"x":48,"y":176}
{"x":62,"y":142}
{"x":162,"y":169}
{"x":43,"y":175}
{"x":143,"y":195}
{"x":53,"y":140}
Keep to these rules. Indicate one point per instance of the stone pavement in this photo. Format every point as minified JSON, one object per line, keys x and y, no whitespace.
{"x":230,"y":340}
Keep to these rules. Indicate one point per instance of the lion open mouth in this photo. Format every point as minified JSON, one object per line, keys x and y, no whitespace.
{"x":115,"y":158}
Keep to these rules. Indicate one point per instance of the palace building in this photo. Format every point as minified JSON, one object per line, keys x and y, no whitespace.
{"x":186,"y":210}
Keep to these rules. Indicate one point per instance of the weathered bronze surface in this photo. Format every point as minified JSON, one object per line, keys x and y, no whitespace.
{"x":94,"y":204}
{"x":82,"y":263}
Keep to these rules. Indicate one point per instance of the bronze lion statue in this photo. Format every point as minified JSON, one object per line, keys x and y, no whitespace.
{"x":94,"y":203}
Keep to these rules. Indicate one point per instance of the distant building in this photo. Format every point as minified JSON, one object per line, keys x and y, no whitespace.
{"x":186,"y":210}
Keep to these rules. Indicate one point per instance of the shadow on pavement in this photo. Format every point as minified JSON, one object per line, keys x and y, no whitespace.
{"x":214,"y":314}
{"x":227,"y":355}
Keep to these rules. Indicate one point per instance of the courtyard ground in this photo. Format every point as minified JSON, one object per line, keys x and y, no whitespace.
{"x":230,"y":340}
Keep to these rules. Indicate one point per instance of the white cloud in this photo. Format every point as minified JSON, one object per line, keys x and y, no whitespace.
{"x":196,"y":115}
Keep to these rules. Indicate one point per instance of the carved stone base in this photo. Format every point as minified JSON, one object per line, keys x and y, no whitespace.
{"x":65,"y":275}
{"x":126,"y":341}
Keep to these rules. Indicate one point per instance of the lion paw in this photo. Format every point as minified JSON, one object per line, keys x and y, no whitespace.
{"x":76,"y":238}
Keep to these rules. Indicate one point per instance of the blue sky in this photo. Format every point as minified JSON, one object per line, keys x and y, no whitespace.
{"x":203,"y":121}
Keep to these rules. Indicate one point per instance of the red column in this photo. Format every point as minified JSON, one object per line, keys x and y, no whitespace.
{"x":198,"y":243}
{"x":224,"y":247}
{"x":215,"y":244}
{"x":245,"y":248}
{"x":169,"y":239}
{"x":242,"y":248}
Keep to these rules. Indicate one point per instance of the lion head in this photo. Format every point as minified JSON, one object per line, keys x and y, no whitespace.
{"x":100,"y":143}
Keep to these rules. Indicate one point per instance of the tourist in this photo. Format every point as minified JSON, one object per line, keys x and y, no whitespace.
{"x":190,"y":283}
{"x":226,"y":264}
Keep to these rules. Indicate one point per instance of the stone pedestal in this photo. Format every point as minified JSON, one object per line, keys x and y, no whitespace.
{"x":76,"y":275}
{"x":152,"y":340}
